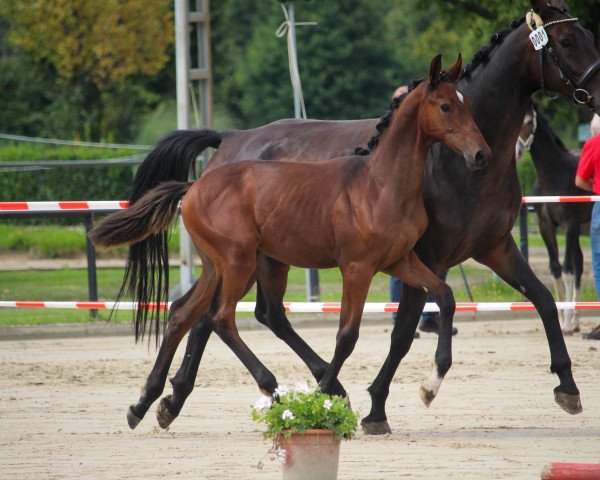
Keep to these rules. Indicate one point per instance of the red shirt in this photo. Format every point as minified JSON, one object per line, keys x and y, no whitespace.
{"x":589,"y":163}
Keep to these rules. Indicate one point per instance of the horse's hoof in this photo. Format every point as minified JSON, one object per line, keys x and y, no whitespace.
{"x":567,"y":332}
{"x":569,"y":403}
{"x":163,"y":415}
{"x":426,"y":395}
{"x":132,"y":419}
{"x":375,"y":428}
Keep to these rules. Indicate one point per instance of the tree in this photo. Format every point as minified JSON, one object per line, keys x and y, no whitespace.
{"x":346,"y":64}
{"x":96,"y":49}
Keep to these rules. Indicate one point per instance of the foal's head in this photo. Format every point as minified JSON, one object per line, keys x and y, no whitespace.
{"x":445,"y":115}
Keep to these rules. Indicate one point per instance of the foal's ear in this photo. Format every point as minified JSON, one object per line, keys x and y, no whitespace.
{"x":434,"y":71}
{"x":455,"y":71}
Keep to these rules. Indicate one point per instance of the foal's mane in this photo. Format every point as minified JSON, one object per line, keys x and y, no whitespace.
{"x":384,"y":121}
{"x":541,"y":119}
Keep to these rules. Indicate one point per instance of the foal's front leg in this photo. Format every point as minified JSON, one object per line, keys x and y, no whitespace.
{"x":356,"y":281}
{"x":420,"y":281}
{"x":509,"y":264}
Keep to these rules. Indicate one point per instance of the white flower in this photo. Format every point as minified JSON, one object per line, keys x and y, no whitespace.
{"x":287,"y":414}
{"x":301,"y":387}
{"x":327,"y":404}
{"x":280,"y":452}
{"x":263,"y":403}
{"x":282,"y":390}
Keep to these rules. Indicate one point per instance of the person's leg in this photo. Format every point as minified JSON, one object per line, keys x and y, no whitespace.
{"x":395,"y":293}
{"x":595,"y":247}
{"x":396,"y":287}
{"x":430,"y":321}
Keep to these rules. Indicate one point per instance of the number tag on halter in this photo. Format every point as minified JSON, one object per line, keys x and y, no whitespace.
{"x":539,"y":38}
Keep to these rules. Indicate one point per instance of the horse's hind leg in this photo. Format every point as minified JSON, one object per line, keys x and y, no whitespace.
{"x":416,"y":276}
{"x":417,"y":273}
{"x":183,"y":382}
{"x":182,"y":314}
{"x":170,"y":406}
{"x":572,"y":271}
{"x":509,"y":264}
{"x":272,"y":281}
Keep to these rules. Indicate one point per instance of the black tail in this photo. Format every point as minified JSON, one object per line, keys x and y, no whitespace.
{"x":144,"y":226}
{"x":171,"y":159}
{"x":147,"y":271}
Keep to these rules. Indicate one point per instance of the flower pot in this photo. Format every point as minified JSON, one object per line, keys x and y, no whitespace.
{"x":313,"y":455}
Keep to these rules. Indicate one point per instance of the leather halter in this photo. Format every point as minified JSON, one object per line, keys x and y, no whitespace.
{"x":577,"y":86}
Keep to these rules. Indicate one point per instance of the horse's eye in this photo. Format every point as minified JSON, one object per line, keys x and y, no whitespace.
{"x":566,"y":42}
{"x":444,"y":107}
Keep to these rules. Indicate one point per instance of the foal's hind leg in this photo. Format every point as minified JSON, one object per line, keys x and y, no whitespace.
{"x":181,"y":316}
{"x":170,"y":406}
{"x":272,"y":281}
{"x":509,"y":264}
{"x":235,"y":269}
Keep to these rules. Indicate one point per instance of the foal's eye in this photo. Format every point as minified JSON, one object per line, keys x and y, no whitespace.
{"x":444,"y":107}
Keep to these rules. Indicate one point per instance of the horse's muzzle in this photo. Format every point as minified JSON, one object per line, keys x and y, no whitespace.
{"x":477,"y":161}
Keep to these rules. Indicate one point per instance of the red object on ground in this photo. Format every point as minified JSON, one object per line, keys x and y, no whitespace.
{"x":571,"y":471}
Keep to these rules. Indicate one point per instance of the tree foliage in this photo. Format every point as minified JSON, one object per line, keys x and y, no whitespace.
{"x":104,"y":43}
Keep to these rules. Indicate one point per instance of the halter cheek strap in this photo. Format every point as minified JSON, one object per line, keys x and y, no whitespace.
{"x":580,"y":94}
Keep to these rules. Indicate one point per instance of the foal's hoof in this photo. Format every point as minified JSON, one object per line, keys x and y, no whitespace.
{"x":132,"y":419}
{"x":569,"y":403}
{"x":163,"y":415}
{"x":426,"y":395}
{"x":375,"y":428}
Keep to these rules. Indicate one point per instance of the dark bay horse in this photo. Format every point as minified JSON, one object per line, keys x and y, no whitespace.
{"x":556,"y":168}
{"x":362,"y":214}
{"x":470,"y":215}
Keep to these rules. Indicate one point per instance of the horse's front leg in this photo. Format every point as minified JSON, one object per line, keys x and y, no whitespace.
{"x":271,"y":286}
{"x":356,"y":278}
{"x":572,"y":271}
{"x":421,"y":281}
{"x":509,"y":264}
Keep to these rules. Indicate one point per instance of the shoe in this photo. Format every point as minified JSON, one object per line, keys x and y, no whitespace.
{"x":593,"y":335}
{"x":432,"y":325}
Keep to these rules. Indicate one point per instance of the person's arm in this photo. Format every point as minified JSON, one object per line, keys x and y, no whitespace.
{"x":583,"y":184}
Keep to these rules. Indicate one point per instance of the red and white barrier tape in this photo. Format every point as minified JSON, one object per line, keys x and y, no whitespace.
{"x":92,"y":205}
{"x":62,"y":206}
{"x":561,"y":199}
{"x":313,"y":307}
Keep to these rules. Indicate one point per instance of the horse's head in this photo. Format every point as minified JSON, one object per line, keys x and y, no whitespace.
{"x":527,"y":132}
{"x":563,"y":54}
{"x":445,"y":115}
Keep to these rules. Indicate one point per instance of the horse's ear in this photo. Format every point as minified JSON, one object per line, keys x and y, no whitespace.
{"x":434,"y":71}
{"x":540,"y":6}
{"x":455,"y":71}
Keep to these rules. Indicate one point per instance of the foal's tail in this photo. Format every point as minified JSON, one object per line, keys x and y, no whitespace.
{"x":144,"y":227}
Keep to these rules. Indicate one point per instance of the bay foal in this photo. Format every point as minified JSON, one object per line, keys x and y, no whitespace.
{"x":362,"y":214}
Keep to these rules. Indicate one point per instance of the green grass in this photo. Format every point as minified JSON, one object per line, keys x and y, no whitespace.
{"x":71,"y":285}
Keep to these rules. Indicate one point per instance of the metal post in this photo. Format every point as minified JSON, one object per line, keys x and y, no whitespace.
{"x":88,"y":221}
{"x":182,"y":65}
{"x":312,"y":275}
